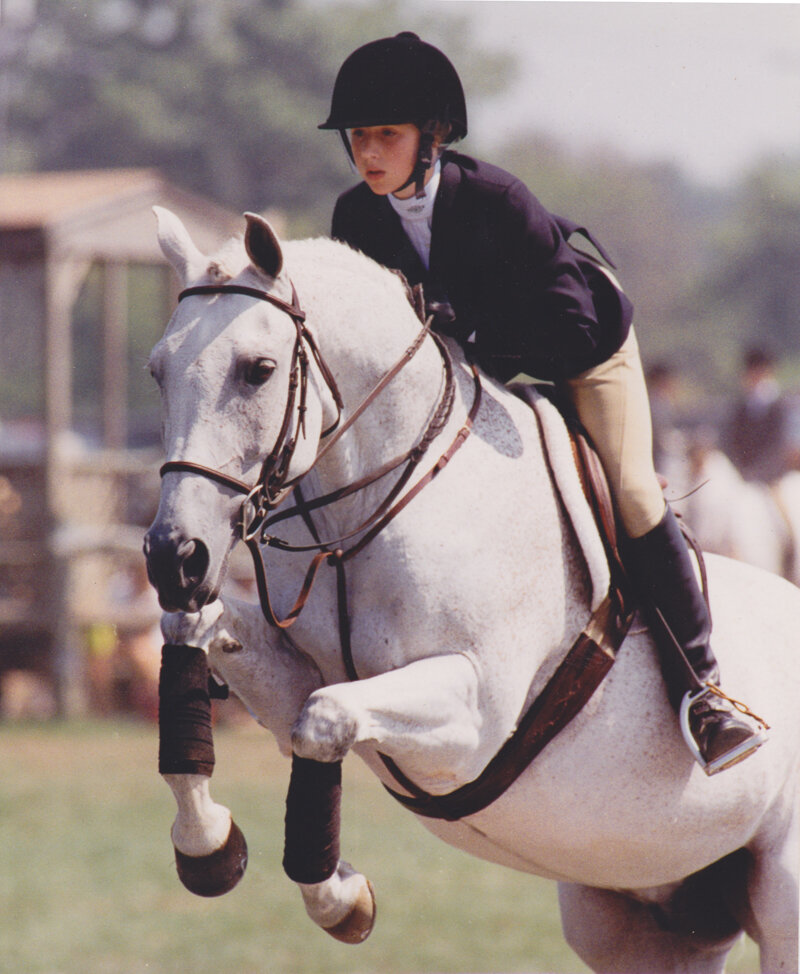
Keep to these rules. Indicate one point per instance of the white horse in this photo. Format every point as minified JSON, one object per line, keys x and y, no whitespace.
{"x":459,"y":609}
{"x":752,"y":522}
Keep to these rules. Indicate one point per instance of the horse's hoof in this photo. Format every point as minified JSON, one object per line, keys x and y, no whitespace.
{"x":218,"y":872}
{"x":358,"y":924}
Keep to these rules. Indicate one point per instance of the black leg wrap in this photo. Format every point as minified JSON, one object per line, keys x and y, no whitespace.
{"x":313,"y":814}
{"x":186,"y":745}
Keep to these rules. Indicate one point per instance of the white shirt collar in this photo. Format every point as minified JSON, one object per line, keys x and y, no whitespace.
{"x":413,"y":209}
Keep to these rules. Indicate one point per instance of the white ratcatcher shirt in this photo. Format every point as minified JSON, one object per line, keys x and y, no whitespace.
{"x":416,"y":215}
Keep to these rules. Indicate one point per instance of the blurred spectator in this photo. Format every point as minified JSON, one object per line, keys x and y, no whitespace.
{"x":26,"y":695}
{"x":124,"y":651}
{"x":755,"y":436}
{"x":137,"y":657}
{"x":664,"y":390}
{"x":793,"y":433}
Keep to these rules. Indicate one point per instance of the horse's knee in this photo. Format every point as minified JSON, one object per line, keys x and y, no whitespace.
{"x":325,"y":730}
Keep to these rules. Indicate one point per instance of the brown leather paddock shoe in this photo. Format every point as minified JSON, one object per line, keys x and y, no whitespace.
{"x":716,"y":733}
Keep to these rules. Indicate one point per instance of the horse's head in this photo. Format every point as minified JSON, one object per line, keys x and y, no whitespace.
{"x":237,"y":372}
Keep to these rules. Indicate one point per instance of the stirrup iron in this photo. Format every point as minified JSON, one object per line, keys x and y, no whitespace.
{"x":736,"y":754}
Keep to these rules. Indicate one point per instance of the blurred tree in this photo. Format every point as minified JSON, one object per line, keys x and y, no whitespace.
{"x":224,"y":96}
{"x":653,"y":224}
{"x":753,"y":283}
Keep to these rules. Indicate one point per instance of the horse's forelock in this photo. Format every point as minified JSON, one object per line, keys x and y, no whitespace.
{"x":228,"y":261}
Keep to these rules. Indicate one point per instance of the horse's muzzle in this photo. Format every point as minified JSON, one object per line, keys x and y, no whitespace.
{"x":178,"y":568}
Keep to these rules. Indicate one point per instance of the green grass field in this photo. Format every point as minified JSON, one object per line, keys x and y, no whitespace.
{"x":88,"y":884}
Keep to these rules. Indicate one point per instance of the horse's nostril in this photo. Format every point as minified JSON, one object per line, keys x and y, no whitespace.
{"x":178,"y":568}
{"x":194,"y":560}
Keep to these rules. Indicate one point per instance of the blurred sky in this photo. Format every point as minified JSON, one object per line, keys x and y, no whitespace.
{"x":714,"y":87}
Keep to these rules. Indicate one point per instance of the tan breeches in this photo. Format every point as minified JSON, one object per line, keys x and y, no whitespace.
{"x":611,"y":402}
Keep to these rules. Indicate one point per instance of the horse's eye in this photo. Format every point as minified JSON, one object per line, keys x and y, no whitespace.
{"x":258,"y":371}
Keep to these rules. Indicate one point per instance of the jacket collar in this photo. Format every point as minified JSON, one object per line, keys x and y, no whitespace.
{"x":404,"y":251}
{"x":449,"y":181}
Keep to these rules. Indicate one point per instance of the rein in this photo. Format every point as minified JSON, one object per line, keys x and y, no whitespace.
{"x":273,"y":484}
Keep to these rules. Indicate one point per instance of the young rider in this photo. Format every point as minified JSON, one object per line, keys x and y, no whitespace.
{"x":499,"y":275}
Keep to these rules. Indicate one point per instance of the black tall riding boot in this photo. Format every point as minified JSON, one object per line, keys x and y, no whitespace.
{"x":660,"y":564}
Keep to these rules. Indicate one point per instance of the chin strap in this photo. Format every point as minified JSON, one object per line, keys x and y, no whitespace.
{"x":424,"y":160}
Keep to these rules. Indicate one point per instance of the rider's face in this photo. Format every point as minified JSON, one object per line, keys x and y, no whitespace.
{"x":385,"y":156}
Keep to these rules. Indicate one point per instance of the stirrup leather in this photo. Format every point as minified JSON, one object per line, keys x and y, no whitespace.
{"x":736,"y":754}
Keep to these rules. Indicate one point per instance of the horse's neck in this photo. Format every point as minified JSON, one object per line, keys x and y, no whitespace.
{"x":387,"y":431}
{"x":362,"y":334}
{"x":362,"y":337}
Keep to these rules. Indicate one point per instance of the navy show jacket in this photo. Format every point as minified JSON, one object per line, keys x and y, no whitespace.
{"x":535,"y":303}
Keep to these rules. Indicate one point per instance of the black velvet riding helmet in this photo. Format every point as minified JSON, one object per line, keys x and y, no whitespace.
{"x":395,"y":81}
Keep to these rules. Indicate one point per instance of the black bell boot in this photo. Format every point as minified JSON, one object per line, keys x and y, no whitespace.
{"x":659,"y":563}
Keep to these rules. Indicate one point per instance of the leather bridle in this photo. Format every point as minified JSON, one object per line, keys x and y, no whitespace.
{"x":273,"y":483}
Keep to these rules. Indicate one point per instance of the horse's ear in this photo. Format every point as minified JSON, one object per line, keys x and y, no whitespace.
{"x":178,"y":247}
{"x":262,"y":245}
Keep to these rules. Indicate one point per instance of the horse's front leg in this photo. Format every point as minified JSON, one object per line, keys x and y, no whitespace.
{"x":210,"y":850}
{"x":428,"y":708}
{"x":274,"y":682}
